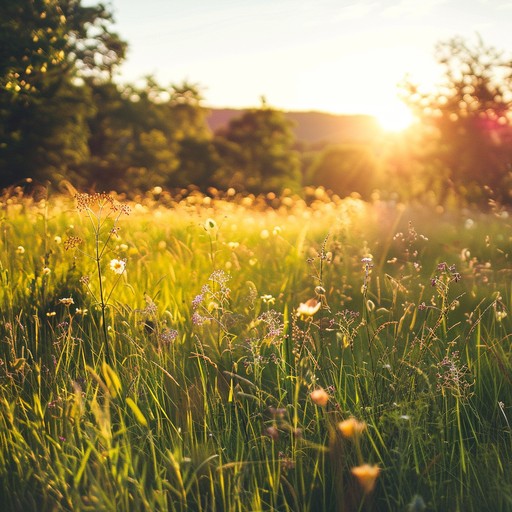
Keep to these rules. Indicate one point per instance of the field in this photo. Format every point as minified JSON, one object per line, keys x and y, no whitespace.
{"x":228,"y":353}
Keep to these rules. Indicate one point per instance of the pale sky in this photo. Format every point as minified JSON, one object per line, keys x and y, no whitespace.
{"x":338,"y":56}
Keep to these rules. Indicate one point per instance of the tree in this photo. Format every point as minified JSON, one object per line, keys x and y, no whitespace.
{"x":257,"y":152}
{"x":149,"y":135}
{"x":46,"y":46}
{"x":345,"y":169}
{"x":469,"y":116}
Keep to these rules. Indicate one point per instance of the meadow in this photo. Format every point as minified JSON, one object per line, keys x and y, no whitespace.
{"x":221,"y":352}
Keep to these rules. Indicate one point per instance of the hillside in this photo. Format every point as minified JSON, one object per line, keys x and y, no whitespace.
{"x":313,"y":127}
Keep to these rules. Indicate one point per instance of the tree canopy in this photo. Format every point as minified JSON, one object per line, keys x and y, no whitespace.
{"x":469,"y":117}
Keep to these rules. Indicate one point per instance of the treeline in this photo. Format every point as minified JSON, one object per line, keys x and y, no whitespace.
{"x":63,"y":116}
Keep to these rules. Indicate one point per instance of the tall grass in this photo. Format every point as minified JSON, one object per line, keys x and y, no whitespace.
{"x":213,"y":353}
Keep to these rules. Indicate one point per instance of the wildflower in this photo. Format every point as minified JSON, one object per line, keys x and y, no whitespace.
{"x":57,"y":239}
{"x":273,"y":433}
{"x":67,"y":301}
{"x":366,"y":476}
{"x":308,"y":309}
{"x":117,"y":266}
{"x":210,"y":226}
{"x":51,"y":313}
{"x":46,"y":271}
{"x":20,"y":249}
{"x":81,"y":311}
{"x":268,"y":299}
{"x":198,"y":319}
{"x":351,"y":428}
{"x":319,"y":397}
{"x":233,"y":245}
{"x":198,"y":299}
{"x":168,"y":336}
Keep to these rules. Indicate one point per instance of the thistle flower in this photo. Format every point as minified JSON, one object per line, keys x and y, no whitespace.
{"x":366,"y":476}
{"x":308,"y":309}
{"x":117,"y":266}
{"x":319,"y":397}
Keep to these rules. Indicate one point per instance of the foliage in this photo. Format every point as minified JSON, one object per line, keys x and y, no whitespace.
{"x":468,"y":117}
{"x":45,"y":47}
{"x":336,"y":356}
{"x":256,"y":152}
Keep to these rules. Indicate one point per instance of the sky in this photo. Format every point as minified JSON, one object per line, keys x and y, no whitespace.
{"x":336,"y":56}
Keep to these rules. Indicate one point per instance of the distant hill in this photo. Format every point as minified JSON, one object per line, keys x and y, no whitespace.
{"x":313,"y":127}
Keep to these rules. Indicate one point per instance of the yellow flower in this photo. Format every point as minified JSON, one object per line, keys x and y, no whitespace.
{"x":308,"y":309}
{"x":351,"y":427}
{"x":366,"y":476}
{"x":46,"y":271}
{"x":319,"y":397}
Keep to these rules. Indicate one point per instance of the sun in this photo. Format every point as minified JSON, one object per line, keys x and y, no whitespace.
{"x":394,"y":117}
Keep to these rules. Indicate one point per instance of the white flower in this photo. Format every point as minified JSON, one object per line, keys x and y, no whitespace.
{"x":308,"y":309}
{"x":210,"y":226}
{"x":117,"y":266}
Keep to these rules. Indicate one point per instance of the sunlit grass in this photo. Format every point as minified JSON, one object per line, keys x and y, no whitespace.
{"x":264,"y":354}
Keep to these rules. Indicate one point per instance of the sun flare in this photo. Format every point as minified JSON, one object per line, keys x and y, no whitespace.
{"x":394,"y":117}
